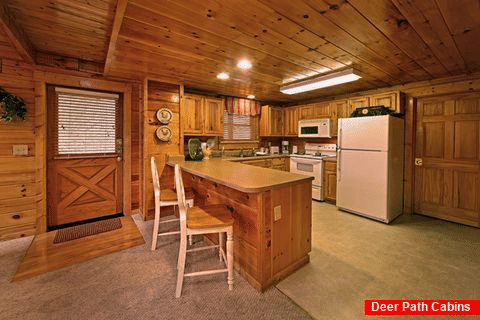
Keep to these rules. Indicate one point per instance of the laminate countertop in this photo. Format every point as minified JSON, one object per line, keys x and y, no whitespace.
{"x":239,"y":176}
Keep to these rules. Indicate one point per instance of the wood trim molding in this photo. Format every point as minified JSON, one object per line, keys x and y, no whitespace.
{"x":41,"y":80}
{"x":17,"y":36}
{"x":117,"y":23}
{"x":144,"y":152}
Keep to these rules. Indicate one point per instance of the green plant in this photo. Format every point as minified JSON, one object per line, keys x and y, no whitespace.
{"x":12,"y":107}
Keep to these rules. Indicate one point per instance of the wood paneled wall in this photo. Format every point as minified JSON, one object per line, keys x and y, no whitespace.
{"x":17,"y":173}
{"x":159,"y":95}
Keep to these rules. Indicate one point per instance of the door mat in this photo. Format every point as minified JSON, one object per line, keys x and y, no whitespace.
{"x":86,"y":230}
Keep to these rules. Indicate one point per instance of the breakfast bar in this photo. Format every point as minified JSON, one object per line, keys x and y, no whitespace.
{"x":272,"y":211}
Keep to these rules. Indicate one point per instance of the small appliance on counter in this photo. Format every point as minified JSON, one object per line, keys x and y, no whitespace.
{"x":294,"y":149}
{"x":285,"y":147}
{"x":274,"y":149}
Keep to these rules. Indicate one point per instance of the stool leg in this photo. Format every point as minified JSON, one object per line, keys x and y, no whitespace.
{"x":230,"y":258}
{"x":221,"y":242}
{"x":182,"y":254}
{"x":156,"y":225}
{"x":190,"y":237}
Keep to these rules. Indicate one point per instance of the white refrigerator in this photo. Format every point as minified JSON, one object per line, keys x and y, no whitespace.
{"x":370,"y":166}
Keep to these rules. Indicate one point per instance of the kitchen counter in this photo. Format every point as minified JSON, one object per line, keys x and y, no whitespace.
{"x":241,"y":177}
{"x":330,"y":159}
{"x":272,"y":211}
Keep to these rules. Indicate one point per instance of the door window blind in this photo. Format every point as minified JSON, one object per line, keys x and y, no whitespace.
{"x":240,"y":127}
{"x":85,"y":122}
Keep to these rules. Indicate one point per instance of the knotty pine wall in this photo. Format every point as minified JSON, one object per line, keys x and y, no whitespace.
{"x":17,"y":173}
{"x":159,"y":95}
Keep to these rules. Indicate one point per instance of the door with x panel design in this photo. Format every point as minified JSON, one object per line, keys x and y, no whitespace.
{"x":84,"y":178}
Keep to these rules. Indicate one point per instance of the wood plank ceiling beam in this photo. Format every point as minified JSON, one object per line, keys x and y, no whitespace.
{"x":117,"y":23}
{"x":16,"y":35}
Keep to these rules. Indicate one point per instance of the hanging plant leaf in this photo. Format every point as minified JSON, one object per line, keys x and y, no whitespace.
{"x":11,"y":107}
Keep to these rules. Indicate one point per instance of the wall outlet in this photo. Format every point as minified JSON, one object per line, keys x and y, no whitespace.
{"x":277,"y":213}
{"x":20,"y":150}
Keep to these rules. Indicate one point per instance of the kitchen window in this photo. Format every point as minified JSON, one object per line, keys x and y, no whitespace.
{"x":240,"y":127}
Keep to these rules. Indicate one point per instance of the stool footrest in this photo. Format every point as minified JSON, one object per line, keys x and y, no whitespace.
{"x":203,"y":248}
{"x":202,"y":273}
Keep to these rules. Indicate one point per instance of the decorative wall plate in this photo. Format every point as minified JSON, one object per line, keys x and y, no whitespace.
{"x":164,"y":133}
{"x":164,"y":115}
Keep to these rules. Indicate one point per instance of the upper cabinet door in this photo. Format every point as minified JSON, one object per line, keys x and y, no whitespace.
{"x":290,"y":120}
{"x":393,"y":100}
{"x":193,"y":115}
{"x":306,"y":112}
{"x":358,"y":102}
{"x":214,"y":117}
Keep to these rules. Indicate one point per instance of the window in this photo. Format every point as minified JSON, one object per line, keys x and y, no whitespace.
{"x":240,"y":127}
{"x":86,"y":122}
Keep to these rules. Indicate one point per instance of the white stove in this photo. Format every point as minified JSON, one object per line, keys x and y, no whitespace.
{"x":310,"y":164}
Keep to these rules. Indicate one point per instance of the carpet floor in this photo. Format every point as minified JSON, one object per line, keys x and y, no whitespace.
{"x":135,"y":283}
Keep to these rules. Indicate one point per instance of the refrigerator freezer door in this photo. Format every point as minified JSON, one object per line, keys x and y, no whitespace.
{"x":362,"y":182}
{"x":363,"y":133}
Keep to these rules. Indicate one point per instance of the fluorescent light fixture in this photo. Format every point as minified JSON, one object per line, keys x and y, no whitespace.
{"x":223,"y":76}
{"x":251,"y":96}
{"x":327,"y":80}
{"x":244,"y":64}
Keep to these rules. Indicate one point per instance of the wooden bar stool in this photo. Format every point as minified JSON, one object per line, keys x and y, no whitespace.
{"x":195,"y":220}
{"x":163,"y":198}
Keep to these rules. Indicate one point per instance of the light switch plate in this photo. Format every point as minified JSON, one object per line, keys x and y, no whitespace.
{"x":277,"y":213}
{"x":20,"y":150}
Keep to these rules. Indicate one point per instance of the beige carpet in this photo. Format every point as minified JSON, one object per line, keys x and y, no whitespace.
{"x":133,"y":284}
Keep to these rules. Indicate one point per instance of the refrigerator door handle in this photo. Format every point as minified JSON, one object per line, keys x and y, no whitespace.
{"x":339,"y":166}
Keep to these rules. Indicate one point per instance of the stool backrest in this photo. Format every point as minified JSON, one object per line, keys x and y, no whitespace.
{"x":182,"y":207}
{"x":156,"y":181}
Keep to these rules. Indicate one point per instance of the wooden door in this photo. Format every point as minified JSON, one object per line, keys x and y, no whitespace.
{"x":214,"y":116}
{"x":276,"y":122}
{"x":355,"y":103}
{"x":330,"y":181}
{"x":84,"y":163}
{"x":193,"y":117}
{"x":306,"y":112}
{"x":290,"y":121}
{"x":447,"y":171}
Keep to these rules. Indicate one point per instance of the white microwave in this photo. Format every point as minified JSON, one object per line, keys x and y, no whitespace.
{"x":314,"y":128}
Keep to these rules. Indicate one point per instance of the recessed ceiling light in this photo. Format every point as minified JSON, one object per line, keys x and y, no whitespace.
{"x":223,"y":76}
{"x":244,"y":64}
{"x":251,"y":96}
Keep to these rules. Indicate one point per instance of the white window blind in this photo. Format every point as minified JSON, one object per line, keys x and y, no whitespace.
{"x":86,"y":122}
{"x":240,"y":127}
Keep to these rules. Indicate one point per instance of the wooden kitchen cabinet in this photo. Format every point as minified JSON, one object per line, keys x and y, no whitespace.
{"x":279,"y":163}
{"x":213,"y":116}
{"x":393,"y":100}
{"x":325,"y":110}
{"x":264,"y":163}
{"x":202,"y":116}
{"x":357,"y":102}
{"x":290,"y":122}
{"x":271,"y":121}
{"x":340,"y":109}
{"x":306,"y":112}
{"x":330,"y":181}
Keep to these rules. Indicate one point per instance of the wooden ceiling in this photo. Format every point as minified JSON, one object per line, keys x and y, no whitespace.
{"x":389,"y":42}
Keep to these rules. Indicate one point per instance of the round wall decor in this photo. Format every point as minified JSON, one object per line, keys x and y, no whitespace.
{"x":164,"y":133}
{"x":164,"y":115}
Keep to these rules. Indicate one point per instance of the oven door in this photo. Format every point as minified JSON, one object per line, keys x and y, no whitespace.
{"x":308,"y":167}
